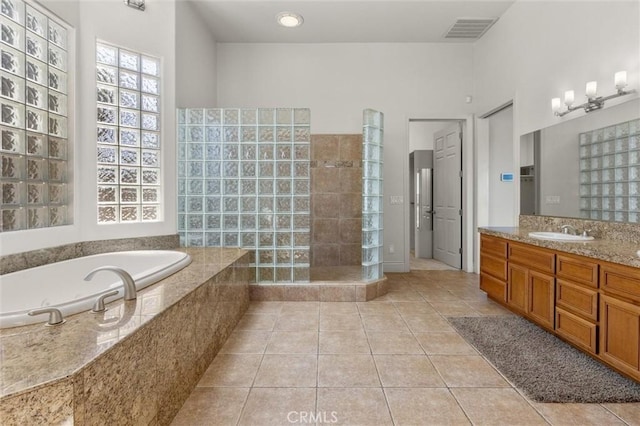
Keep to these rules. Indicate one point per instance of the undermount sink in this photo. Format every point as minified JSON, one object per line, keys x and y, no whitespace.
{"x":559,"y":236}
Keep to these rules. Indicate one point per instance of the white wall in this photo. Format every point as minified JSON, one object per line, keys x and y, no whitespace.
{"x":195,"y":59}
{"x":421,"y":133}
{"x":502,"y":195}
{"x":151,"y":32}
{"x":560,"y":160}
{"x":539,"y":49}
{"x":338,"y":81}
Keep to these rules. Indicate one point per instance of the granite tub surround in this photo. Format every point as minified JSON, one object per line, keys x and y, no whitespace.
{"x":607,"y":249}
{"x":135,"y":363}
{"x":30,"y":259}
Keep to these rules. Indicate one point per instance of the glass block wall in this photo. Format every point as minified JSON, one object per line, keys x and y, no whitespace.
{"x":243,"y":181}
{"x":33,"y":122}
{"x":372,"y":205}
{"x":610,"y":173}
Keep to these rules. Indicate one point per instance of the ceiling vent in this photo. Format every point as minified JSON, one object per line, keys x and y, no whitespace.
{"x":469,"y":28}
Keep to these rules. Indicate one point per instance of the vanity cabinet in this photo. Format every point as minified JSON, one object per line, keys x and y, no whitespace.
{"x":493,"y":267}
{"x":577,"y":301}
{"x":531,"y":284}
{"x":592,"y":304}
{"x":620,"y":317}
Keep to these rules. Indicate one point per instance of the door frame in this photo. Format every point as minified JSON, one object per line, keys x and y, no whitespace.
{"x":468,"y":230}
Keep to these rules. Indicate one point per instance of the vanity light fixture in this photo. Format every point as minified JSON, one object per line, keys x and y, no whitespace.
{"x":289,"y":19}
{"x":594,"y":101}
{"x":136,"y":4}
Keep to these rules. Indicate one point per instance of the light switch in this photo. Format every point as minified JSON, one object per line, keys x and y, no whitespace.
{"x":395,"y":199}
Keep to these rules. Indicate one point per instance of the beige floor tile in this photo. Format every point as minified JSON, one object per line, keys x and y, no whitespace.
{"x":337,"y":322}
{"x":422,"y":323}
{"x":405,"y":296}
{"x":424,"y":406}
{"x":376,"y":308}
{"x":287,"y":371}
{"x":384,"y":322}
{"x":300,"y":307}
{"x":232,"y":370}
{"x":246,"y":342}
{"x":488,"y":307}
{"x":354,"y":406}
{"x":414,"y":308}
{"x":264,"y":322}
{"x":630,"y":413}
{"x":436,"y":295}
{"x":299,"y":321}
{"x":395,"y":342}
{"x":283,"y":406}
{"x":407,"y":371}
{"x":264,"y":307}
{"x":212,"y":406}
{"x":496,"y":407}
{"x":454,"y":308}
{"x":577,"y":414}
{"x":344,"y":342}
{"x":467,"y":371}
{"x":347,"y":370}
{"x":338,"y":308}
{"x":293,"y":342}
{"x":444,"y":343}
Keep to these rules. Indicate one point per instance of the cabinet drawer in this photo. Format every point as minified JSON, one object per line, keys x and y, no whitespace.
{"x":620,"y":280}
{"x":495,"y":288}
{"x":577,"y":269}
{"x":532,"y":257}
{"x":577,"y":299}
{"x":493,"y":245}
{"x":578,"y":331}
{"x":493,"y":266}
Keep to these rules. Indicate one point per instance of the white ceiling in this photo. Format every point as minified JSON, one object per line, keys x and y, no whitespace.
{"x":336,"y":21}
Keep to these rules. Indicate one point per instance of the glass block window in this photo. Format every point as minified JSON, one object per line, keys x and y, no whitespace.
{"x":372,"y":180}
{"x":128,"y":135}
{"x":610,"y":173}
{"x":33,"y":118}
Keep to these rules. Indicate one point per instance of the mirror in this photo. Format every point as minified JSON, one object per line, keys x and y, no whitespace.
{"x":587,"y":167}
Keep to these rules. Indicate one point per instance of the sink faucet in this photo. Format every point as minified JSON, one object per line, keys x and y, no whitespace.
{"x":127,"y":281}
{"x":568,"y":229}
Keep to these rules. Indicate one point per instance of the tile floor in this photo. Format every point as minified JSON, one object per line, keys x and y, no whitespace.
{"x":395,"y":360}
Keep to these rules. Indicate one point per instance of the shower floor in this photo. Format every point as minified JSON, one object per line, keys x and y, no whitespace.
{"x":351,"y":273}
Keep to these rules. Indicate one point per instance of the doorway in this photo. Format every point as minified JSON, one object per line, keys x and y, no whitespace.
{"x":435,"y":167}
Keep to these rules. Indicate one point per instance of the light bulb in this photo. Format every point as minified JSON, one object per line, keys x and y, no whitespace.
{"x":555,"y":104}
{"x":592,"y":89}
{"x":568,"y":98}
{"x":620,"y":79}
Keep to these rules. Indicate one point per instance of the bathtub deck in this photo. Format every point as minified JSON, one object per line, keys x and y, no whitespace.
{"x":138,"y":360}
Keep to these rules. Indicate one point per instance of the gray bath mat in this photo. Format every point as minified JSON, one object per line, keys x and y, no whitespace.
{"x":544,"y":367}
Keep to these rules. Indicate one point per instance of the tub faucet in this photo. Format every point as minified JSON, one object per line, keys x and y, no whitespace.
{"x":128,"y":283}
{"x":568,"y":229}
{"x":55,"y":316}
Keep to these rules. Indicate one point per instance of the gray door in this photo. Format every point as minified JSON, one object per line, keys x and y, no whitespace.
{"x":447,"y":184}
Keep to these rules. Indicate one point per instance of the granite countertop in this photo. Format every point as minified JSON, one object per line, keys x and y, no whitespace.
{"x":35,"y":355}
{"x":624,"y":253}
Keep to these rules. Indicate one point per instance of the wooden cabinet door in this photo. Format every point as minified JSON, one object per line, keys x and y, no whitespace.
{"x":620,"y":334}
{"x":517,"y":287}
{"x":540,"y":298}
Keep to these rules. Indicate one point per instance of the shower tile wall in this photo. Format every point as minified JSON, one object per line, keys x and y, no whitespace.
{"x":243,"y":181}
{"x":336,"y":199}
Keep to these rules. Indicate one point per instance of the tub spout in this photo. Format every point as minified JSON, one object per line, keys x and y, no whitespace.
{"x":55,"y":316}
{"x":128,"y":283}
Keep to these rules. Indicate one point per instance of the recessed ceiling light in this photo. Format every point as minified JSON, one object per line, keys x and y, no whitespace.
{"x":289,"y":19}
